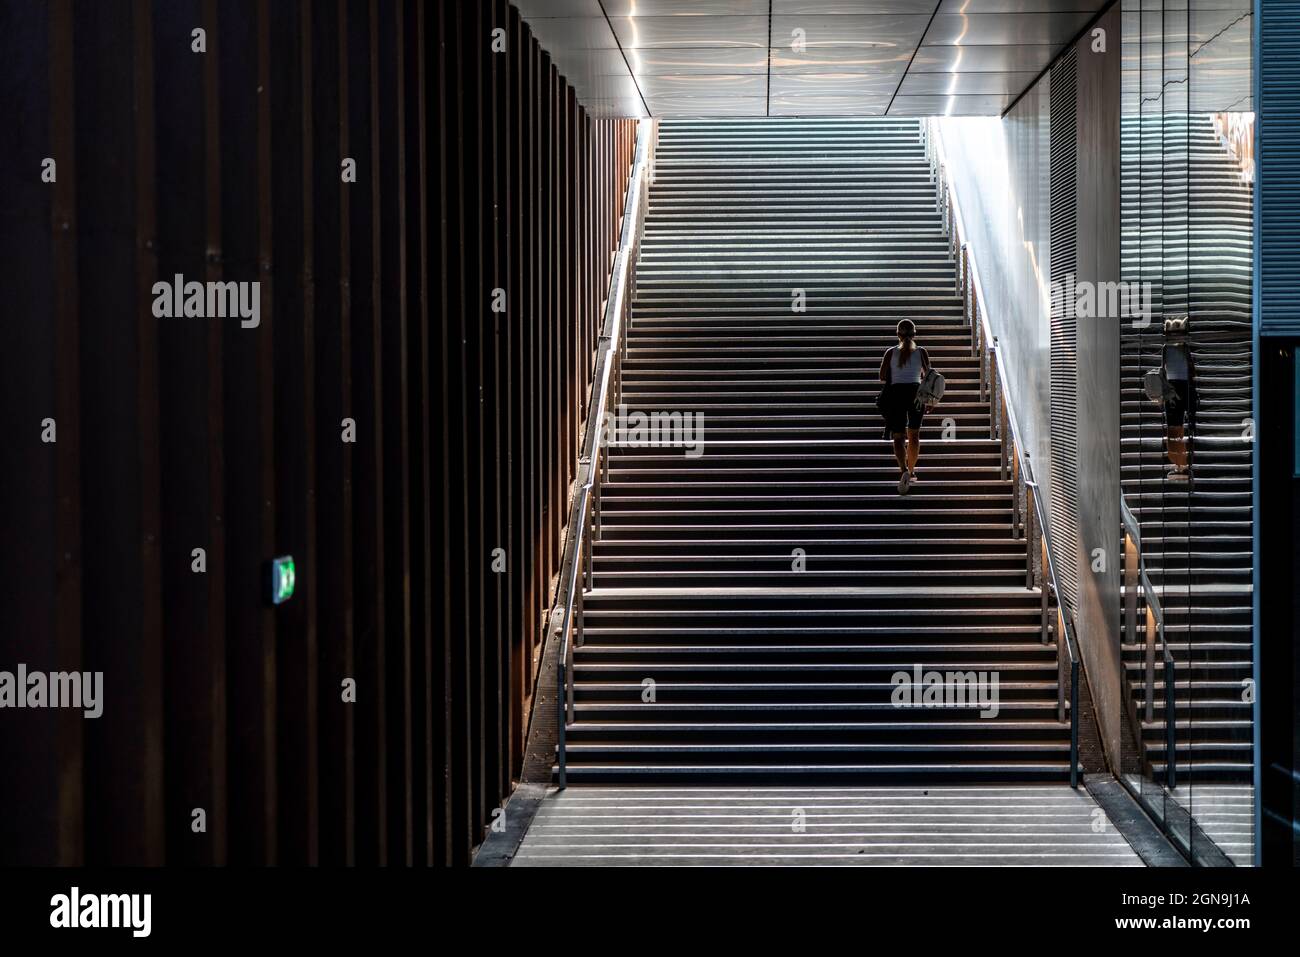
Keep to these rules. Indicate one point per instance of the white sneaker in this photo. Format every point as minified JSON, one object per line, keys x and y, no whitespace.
{"x":913,"y":478}
{"x":904,"y":484}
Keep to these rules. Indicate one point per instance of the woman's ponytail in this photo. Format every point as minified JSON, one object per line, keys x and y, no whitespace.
{"x":906,"y":345}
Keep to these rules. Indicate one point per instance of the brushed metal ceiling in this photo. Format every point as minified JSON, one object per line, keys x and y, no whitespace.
{"x":838,"y":57}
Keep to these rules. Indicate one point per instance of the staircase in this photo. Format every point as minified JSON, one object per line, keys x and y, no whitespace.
{"x":1197,"y":539}
{"x":752,"y":605}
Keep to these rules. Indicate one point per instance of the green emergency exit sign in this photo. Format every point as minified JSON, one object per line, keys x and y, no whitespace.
{"x":283,"y":579}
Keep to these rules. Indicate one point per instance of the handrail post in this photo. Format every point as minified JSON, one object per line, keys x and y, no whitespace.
{"x":1062,"y":650}
{"x":564,"y":694}
{"x":1074,"y":723}
{"x":588,"y":583}
{"x":1047,"y":591}
{"x":618,"y":376}
{"x":1002,"y":429}
{"x":1029,"y":537}
{"x":991,"y":349}
{"x":584,"y":524}
{"x":1150,"y":665}
{"x":579,"y":609}
{"x":952,"y":224}
{"x":596,"y":484}
{"x":1130,"y":588}
{"x":561,"y":725}
{"x":1015,"y":495}
{"x":1171,"y":726}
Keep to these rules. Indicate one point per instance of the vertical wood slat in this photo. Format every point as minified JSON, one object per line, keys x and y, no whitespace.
{"x":502,"y":74}
{"x":415,"y":436}
{"x":293,"y":339}
{"x":562,"y":318}
{"x":247,"y":473}
{"x":494,"y":508}
{"x":370,"y":634}
{"x":476,"y":292}
{"x":392,"y":171}
{"x":257,"y":704}
{"x":548,"y":352}
{"x":442,"y":683}
{"x":517,"y":268}
{"x":69,"y":828}
{"x":215,"y":666}
{"x":572,"y":316}
{"x":425,"y":774}
{"x":533,"y":564}
{"x":347,"y":663}
{"x":458,"y":695}
{"x":329,"y":243}
{"x":310,"y":812}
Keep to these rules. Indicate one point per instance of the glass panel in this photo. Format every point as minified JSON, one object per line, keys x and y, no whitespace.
{"x":1187,"y":164}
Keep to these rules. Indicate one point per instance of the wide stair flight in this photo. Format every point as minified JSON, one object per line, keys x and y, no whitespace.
{"x":753,"y":603}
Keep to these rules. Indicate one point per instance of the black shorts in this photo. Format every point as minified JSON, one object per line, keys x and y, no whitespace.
{"x":900,"y":407}
{"x":1176,"y":409}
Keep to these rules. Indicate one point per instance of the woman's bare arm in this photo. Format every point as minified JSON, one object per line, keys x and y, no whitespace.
{"x":884,"y":366}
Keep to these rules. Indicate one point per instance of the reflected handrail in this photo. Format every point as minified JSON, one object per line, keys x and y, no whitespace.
{"x":1015,"y":458}
{"x":607,"y":383}
{"x":1135,"y":579}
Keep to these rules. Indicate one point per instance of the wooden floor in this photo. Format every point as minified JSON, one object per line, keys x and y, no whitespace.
{"x":794,"y":826}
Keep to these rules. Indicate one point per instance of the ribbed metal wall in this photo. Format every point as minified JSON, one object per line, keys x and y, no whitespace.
{"x":1065,"y":355}
{"x":1278,"y":155}
{"x":476,"y":171}
{"x":1277,"y":305}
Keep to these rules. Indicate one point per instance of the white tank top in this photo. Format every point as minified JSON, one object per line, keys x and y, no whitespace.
{"x":909,"y":371}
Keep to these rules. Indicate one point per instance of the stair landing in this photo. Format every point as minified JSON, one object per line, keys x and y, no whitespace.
{"x":794,"y":826}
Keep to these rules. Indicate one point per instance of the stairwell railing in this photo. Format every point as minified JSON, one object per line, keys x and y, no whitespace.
{"x":593,"y":462}
{"x":1137,"y":582}
{"x":1029,"y":515}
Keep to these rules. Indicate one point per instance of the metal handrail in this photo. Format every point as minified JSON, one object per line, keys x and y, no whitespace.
{"x":1015,"y":458}
{"x":1135,"y":578}
{"x":584,"y":516}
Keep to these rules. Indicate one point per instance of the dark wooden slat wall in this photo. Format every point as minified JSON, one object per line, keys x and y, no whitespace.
{"x":446,"y":304}
{"x":40,"y":484}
